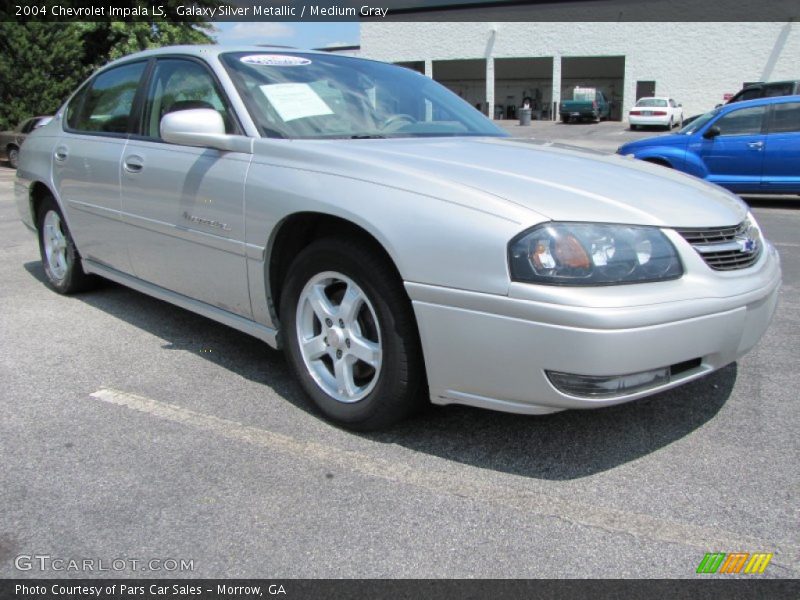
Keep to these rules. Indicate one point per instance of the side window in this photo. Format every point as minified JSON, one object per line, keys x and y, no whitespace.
{"x":748,"y":94}
{"x":785,"y":118}
{"x":28,"y":126}
{"x":181,"y":85}
{"x":783,"y":89}
{"x":105,"y":104}
{"x":746,"y":121}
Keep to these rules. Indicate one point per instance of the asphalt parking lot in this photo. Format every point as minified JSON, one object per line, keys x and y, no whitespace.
{"x":133,"y":429}
{"x":605,"y":136}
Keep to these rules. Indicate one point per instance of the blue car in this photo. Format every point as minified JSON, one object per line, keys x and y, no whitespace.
{"x":748,"y":147}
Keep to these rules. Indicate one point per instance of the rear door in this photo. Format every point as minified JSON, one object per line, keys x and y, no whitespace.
{"x":185,"y":205}
{"x":86,"y":163}
{"x":735,"y":157}
{"x":782,"y":151}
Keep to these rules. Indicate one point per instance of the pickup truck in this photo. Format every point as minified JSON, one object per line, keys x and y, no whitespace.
{"x":583,"y":107}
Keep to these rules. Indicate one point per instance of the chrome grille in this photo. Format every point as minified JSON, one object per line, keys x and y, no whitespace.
{"x":725,"y":248}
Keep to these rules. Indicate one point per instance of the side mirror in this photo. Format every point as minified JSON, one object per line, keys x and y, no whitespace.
{"x":712,"y":132}
{"x":202,"y":127}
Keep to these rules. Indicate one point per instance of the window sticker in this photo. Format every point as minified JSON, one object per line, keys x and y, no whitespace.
{"x":275,"y":60}
{"x":295,"y":100}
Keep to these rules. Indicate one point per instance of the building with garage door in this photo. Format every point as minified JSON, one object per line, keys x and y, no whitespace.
{"x":496,"y":66}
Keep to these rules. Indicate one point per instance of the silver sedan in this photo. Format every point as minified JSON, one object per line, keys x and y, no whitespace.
{"x":392,"y":240}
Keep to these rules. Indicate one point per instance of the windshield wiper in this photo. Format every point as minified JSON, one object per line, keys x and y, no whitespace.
{"x":368,"y":136}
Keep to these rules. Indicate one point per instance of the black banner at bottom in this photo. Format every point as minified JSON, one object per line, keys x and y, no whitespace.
{"x":399,"y":589}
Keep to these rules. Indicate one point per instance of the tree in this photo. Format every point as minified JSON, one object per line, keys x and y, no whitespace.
{"x":45,"y":61}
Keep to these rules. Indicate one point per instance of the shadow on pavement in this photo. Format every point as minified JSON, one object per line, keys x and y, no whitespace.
{"x":561,"y":446}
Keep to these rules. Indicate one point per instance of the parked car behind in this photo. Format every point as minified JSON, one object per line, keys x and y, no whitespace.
{"x":11,"y":141}
{"x":747,"y":147}
{"x":595,"y":108}
{"x":766,"y":90}
{"x":760,"y":90}
{"x":656,"y":111}
{"x":398,"y":245}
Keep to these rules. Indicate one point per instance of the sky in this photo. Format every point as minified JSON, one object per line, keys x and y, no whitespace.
{"x":297,"y":34}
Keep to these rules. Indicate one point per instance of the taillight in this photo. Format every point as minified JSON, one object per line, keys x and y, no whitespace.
{"x":636,"y":112}
{"x":659,"y":113}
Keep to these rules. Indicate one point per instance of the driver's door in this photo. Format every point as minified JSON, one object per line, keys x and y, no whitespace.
{"x":735,"y":157}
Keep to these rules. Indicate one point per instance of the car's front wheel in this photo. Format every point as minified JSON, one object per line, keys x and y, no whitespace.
{"x":13,"y":157}
{"x":60,"y":258}
{"x":350,"y":334}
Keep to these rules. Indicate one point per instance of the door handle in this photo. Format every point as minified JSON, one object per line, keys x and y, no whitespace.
{"x":755,"y":145}
{"x":61,"y":154}
{"x":133,"y":164}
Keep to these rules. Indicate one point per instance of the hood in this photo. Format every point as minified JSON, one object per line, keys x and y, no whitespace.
{"x":675,"y":139}
{"x":553,"y":181}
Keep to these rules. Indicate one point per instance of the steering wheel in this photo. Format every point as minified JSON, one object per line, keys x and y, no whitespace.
{"x":399,"y":119}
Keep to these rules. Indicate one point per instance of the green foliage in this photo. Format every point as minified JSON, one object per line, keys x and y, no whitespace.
{"x":43,"y":62}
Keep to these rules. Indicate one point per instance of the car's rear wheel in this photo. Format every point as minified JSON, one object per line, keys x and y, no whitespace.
{"x":60,"y":258}
{"x":350,"y":334}
{"x":670,"y":124}
{"x":13,"y":157}
{"x":634,"y":127}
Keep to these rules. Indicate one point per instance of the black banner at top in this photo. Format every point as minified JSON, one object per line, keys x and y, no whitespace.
{"x":403,"y":10}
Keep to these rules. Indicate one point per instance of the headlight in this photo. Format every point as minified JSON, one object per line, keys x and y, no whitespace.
{"x":592,"y":254}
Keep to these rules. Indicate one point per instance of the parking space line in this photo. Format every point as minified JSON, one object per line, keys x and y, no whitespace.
{"x":459,"y":480}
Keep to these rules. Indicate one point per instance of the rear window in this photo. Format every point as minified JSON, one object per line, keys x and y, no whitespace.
{"x":785,"y":118}
{"x":651,"y":102}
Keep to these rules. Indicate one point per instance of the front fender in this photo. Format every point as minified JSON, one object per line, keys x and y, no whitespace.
{"x":674,"y":157}
{"x":430,"y":240}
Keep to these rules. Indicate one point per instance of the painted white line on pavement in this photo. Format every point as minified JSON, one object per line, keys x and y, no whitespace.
{"x":462,"y":481}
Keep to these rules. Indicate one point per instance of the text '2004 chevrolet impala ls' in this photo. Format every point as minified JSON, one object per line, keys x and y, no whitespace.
{"x":389,"y":237}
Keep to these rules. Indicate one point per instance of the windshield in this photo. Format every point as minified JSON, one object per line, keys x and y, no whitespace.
{"x":306,"y":96}
{"x":698,"y":123}
{"x":651,"y":102}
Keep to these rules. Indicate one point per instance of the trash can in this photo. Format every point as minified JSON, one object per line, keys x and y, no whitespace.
{"x":524,"y":116}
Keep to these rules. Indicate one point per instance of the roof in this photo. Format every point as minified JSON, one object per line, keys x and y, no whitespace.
{"x":759,"y":102}
{"x":206,"y":50}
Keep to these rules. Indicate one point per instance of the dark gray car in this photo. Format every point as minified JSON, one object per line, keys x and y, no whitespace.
{"x":11,"y":141}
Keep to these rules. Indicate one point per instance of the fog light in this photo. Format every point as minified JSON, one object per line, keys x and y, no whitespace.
{"x":604,"y":386}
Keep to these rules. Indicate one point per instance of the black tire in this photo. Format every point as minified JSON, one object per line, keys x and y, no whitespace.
{"x":669,"y":125}
{"x":74,"y":279}
{"x":565,"y":119}
{"x":634,"y":127}
{"x":658,"y":161}
{"x":399,"y":389}
{"x":13,"y":157}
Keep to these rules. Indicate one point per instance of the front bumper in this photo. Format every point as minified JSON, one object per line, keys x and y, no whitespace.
{"x":493,"y":352}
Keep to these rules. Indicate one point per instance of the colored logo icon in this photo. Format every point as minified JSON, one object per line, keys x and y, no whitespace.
{"x":734,"y":562}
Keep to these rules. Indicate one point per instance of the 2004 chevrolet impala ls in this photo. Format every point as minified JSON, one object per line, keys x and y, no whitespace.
{"x":389,"y":237}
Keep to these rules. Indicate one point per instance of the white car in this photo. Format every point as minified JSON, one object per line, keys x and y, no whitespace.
{"x":664,"y":112}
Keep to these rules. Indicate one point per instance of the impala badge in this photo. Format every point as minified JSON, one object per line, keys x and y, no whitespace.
{"x":207,"y":222}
